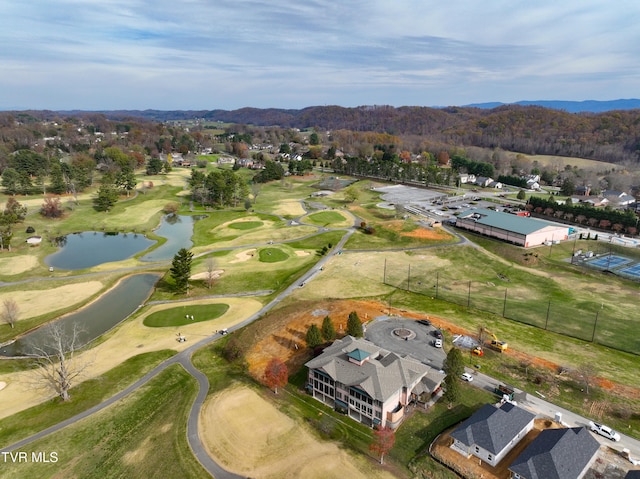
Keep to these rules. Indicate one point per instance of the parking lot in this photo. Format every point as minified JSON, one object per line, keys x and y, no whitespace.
{"x":406,"y":337}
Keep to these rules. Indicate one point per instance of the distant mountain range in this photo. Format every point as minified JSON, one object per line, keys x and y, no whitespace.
{"x":592,"y":106}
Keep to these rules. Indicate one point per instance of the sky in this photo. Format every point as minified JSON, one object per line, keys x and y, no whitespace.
{"x":229,"y":54}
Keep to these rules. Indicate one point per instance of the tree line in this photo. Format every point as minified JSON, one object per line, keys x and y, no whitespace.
{"x":582,"y":213}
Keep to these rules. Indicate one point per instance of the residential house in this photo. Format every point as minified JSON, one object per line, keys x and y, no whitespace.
{"x":595,"y":201}
{"x":565,"y":453}
{"x":533,"y":184}
{"x":619,"y":198}
{"x":491,"y":432}
{"x":582,"y":190}
{"x":370,"y":384}
{"x":495,"y":184}
{"x":483,"y":181}
{"x":467,"y":178}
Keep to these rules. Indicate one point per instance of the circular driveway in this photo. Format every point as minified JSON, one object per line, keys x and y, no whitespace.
{"x":390,"y":333}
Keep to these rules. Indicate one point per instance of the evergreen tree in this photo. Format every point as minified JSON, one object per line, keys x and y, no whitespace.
{"x":451,"y":389}
{"x":454,"y":367}
{"x":328,"y":330}
{"x":354,"y":326}
{"x":10,"y":181}
{"x":181,"y":269}
{"x":154,"y":167}
{"x":521,"y":195}
{"x":314,"y":338}
{"x":126,"y":180}
{"x":107,"y":197}
{"x":454,"y":364}
{"x":57,"y":184}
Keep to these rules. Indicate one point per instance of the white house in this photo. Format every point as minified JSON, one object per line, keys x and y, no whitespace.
{"x":491,"y":432}
{"x":467,"y":178}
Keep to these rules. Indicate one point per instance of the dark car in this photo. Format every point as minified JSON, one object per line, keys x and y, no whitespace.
{"x":437,"y":334}
{"x":426,"y":322}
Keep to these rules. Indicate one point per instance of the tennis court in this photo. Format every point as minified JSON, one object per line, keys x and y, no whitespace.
{"x":609,"y":261}
{"x":633,"y":270}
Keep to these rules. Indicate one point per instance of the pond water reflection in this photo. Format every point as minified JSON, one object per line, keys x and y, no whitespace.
{"x":94,"y":320}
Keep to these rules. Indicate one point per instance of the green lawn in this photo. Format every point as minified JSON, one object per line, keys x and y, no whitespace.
{"x":84,"y":396}
{"x":181,"y":315}
{"x":272,"y":255}
{"x":144,"y":435}
{"x":325,"y":218}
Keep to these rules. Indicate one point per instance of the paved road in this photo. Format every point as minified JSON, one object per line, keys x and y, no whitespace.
{"x":184,"y":358}
{"x":544,"y":408}
{"x":535,"y":404}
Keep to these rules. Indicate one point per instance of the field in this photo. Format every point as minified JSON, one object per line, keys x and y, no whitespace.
{"x":136,"y":437}
{"x":250,"y":436}
{"x":402,"y":268}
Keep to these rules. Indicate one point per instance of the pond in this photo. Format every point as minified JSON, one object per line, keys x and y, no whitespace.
{"x":91,"y":248}
{"x":178,"y":229}
{"x":94,"y":320}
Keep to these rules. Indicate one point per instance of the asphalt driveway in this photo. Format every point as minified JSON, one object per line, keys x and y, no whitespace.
{"x":390,"y":333}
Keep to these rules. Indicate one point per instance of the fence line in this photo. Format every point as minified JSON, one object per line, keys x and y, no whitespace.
{"x":591,"y":325}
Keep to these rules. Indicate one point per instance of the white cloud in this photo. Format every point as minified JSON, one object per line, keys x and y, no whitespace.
{"x":63,"y":54}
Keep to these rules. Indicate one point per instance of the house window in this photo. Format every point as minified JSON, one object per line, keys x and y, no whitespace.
{"x":477,"y":450}
{"x":490,"y":458}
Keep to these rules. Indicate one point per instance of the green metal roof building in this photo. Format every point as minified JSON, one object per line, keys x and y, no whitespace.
{"x":519,"y":230}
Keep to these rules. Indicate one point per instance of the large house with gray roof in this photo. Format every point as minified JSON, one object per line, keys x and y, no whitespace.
{"x":491,"y":432}
{"x":519,"y":230}
{"x":370,"y":384}
{"x":565,"y":453}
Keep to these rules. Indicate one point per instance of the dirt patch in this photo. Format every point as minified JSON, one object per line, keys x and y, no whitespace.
{"x":421,"y":233}
{"x":244,"y":256}
{"x":285,"y":336}
{"x":250,"y":436}
{"x":288,"y":329}
{"x":302,"y":253}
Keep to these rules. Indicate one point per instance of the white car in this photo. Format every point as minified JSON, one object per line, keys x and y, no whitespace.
{"x":466,"y":377}
{"x":604,"y":431}
{"x":437,"y":343}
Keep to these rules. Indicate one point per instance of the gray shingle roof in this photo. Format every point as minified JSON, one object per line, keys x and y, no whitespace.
{"x":492,"y":428}
{"x":380,"y":376}
{"x":633,"y":475}
{"x":556,"y":454}
{"x":506,"y":221}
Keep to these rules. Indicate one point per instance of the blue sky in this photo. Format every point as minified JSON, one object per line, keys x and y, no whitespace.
{"x":209,"y":54}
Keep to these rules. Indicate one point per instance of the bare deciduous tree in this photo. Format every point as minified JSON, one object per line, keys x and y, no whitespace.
{"x":10,"y":312}
{"x":56,"y":362}
{"x":211,"y":272}
{"x":586,"y":372}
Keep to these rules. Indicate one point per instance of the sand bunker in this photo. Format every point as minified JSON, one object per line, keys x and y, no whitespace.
{"x":205,"y":275}
{"x":302,"y":253}
{"x":244,"y":256}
